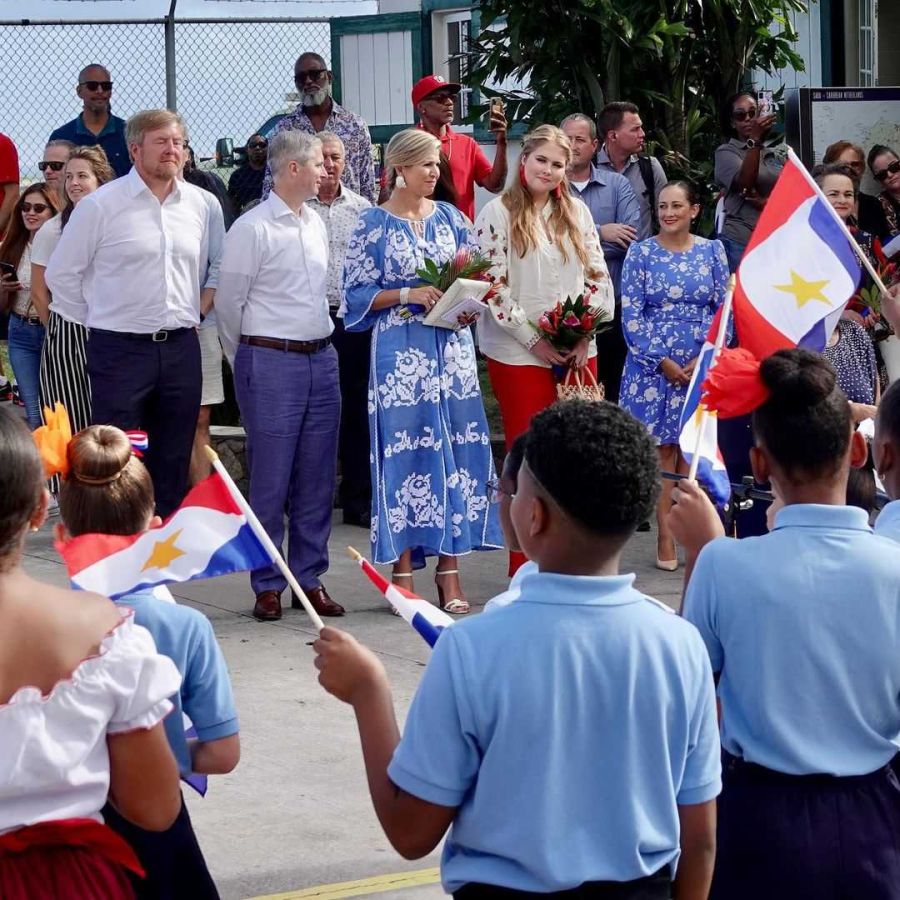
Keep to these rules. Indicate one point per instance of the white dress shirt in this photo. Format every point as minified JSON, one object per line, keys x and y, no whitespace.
{"x":129,"y":263}
{"x":272,"y":280}
{"x":526,"y":287}
{"x":340,"y":218}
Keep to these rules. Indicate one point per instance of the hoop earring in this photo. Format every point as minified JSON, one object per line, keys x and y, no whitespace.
{"x":400,"y":182}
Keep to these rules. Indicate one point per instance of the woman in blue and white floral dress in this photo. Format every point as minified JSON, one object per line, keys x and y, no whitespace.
{"x":672,"y":285}
{"x":431,"y":449}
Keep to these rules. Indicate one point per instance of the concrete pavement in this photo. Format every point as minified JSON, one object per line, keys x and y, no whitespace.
{"x":294,"y":819}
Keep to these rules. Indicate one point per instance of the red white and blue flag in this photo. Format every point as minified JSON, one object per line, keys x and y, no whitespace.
{"x":206,"y":536}
{"x":711,"y":470}
{"x":426,"y":619}
{"x":798,"y":272}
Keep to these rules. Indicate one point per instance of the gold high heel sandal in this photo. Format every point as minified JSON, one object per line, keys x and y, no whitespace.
{"x":401,"y":575}
{"x":456,"y":606}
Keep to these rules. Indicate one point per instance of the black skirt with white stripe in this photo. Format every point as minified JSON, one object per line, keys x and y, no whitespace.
{"x":64,"y":377}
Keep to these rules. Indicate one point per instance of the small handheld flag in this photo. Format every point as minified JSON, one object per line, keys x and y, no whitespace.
{"x":427,"y":620}
{"x":206,"y":536}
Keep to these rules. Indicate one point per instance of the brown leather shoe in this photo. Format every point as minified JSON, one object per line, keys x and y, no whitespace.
{"x":321,"y":602}
{"x":268,"y":606}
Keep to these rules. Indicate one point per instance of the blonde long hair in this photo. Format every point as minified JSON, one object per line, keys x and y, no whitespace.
{"x":524,"y":217}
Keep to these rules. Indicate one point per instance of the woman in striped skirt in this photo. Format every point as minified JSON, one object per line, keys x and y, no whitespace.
{"x":64,"y":376}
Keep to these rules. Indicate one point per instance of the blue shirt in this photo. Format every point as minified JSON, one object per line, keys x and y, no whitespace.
{"x":610,"y":198}
{"x":888,"y":522}
{"x":111,"y":139}
{"x":804,"y":625}
{"x":566,"y":728}
{"x":186,"y":637}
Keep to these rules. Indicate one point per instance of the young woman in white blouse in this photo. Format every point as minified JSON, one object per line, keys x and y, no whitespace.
{"x":543,"y":248}
{"x":83,"y":694}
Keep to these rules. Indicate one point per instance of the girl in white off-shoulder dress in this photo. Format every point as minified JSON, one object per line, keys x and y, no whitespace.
{"x":83,"y":694}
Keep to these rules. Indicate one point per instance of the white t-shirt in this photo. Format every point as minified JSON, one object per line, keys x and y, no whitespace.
{"x":54,"y":762}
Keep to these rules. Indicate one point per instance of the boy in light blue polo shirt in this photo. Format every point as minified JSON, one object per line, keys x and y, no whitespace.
{"x":886,"y":453}
{"x":569,"y":741}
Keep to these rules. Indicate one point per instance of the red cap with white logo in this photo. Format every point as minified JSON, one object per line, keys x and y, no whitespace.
{"x":429,"y":84}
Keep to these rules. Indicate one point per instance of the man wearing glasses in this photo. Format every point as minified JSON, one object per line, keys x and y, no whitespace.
{"x":96,"y":124}
{"x":56,"y":155}
{"x":246,"y":182}
{"x":317,"y":112}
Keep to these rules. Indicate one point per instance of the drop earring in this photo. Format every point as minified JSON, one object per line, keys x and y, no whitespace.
{"x":400,"y":181}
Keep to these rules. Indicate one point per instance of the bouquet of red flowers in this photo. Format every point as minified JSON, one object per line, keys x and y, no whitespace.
{"x":570,"y":321}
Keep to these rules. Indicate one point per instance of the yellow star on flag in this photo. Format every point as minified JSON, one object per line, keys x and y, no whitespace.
{"x":164,"y":552}
{"x":804,"y":290}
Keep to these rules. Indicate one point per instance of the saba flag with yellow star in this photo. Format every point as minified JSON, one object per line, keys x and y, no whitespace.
{"x":206,"y":536}
{"x":798,"y":272}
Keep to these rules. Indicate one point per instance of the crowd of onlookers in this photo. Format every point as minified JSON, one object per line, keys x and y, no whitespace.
{"x":129,"y":273}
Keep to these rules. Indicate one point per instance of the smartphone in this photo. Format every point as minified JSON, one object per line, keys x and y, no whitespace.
{"x":9,"y":269}
{"x":495,"y":108}
{"x":765,"y":103}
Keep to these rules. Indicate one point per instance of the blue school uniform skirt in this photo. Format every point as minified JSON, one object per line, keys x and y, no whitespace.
{"x":789,"y":837}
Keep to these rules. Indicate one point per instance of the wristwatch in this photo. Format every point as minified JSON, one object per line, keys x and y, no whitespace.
{"x":751,"y":144}
{"x":404,"y":296}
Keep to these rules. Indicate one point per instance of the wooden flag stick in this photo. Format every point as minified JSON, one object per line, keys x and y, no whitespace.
{"x":717,"y":347}
{"x":264,"y":538}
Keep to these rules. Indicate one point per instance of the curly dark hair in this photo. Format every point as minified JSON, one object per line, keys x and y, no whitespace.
{"x":597,"y":462}
{"x":805,"y":423}
{"x":21,"y":484}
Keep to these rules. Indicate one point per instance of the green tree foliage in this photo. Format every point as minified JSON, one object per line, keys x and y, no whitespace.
{"x":679,"y":60}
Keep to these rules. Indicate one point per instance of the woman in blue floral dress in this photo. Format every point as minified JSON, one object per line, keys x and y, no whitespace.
{"x":431,"y":449}
{"x":672,"y":285}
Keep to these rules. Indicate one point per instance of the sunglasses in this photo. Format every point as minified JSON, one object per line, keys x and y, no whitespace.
{"x":309,"y":75}
{"x":44,"y":164}
{"x":441,"y":96}
{"x":740,"y":115}
{"x":892,"y":169}
{"x":495,"y":492}
{"x":258,"y":145}
{"x":97,"y":85}
{"x":35,"y":207}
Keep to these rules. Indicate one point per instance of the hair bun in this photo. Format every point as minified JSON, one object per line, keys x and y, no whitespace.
{"x":99,"y":454}
{"x":797,"y":378}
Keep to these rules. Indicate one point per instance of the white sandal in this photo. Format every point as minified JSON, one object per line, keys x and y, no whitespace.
{"x":456,"y":606}
{"x":399,"y":575}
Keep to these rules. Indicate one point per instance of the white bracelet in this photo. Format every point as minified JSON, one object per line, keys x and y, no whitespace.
{"x":404,"y":296}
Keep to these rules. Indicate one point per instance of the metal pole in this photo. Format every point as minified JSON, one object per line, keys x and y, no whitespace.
{"x":171,"y":98}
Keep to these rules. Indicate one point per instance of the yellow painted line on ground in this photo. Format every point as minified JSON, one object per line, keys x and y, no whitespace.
{"x":362,"y":888}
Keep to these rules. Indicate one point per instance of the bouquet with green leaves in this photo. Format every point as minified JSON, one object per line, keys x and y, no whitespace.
{"x":466,"y":264}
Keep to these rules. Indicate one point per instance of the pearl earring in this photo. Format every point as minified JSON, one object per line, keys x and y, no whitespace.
{"x":400,"y":182}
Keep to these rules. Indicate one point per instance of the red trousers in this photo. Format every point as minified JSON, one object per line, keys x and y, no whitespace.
{"x":522,"y":392}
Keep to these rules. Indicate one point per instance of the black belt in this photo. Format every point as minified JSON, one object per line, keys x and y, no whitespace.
{"x":285,"y":345}
{"x":29,"y":320}
{"x":737,"y":767}
{"x":158,"y":337}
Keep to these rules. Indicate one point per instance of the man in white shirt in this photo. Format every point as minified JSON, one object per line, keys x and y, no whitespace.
{"x":131,"y":259}
{"x":339,"y":209}
{"x":274,"y":326}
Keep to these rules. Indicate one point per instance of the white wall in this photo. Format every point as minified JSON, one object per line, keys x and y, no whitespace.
{"x":809,"y":46}
{"x":376,"y":76}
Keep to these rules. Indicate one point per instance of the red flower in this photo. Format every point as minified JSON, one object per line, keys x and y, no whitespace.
{"x":587,"y":321}
{"x":571,"y":320}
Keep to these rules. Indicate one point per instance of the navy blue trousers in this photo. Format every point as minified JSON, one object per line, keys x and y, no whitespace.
{"x":654,"y":887}
{"x":810,"y":837}
{"x":354,"y":355}
{"x":154,"y":387}
{"x":291,"y":409}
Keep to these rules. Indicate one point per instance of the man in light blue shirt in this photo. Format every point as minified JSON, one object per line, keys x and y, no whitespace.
{"x":886,"y":453}
{"x":570,"y":739}
{"x":608,"y":195}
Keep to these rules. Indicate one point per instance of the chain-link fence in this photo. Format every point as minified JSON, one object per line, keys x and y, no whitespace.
{"x":228,"y":75}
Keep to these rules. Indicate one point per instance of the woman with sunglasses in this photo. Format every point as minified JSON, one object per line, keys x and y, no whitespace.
{"x":63,"y":360}
{"x":884,"y":165}
{"x":26,"y":330}
{"x":747,"y":170}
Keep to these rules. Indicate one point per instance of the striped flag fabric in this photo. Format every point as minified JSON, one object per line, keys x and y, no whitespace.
{"x":424,"y":617}
{"x":206,"y":536}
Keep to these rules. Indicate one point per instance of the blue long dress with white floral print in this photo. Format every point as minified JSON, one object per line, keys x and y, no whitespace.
{"x":668,"y":303}
{"x":431,"y":450}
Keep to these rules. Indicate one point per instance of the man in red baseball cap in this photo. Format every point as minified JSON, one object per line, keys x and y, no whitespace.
{"x":432,"y":99}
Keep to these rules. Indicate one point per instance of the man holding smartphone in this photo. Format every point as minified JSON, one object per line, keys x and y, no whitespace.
{"x":432,"y":99}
